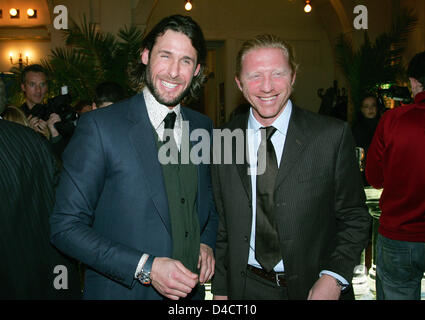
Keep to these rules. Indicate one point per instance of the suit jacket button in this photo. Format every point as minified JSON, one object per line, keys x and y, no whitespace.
{"x":243,"y":273}
{"x":245,"y":238}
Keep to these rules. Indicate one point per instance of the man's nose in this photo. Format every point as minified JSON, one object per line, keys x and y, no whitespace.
{"x":267,"y":84}
{"x":174,"y":69}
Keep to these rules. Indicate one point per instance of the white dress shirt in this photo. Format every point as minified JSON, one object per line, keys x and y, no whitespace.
{"x":254,"y":139}
{"x":157,"y":113}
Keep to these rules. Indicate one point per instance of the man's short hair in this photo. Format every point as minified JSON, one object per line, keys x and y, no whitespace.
{"x":265,"y":41}
{"x":416,"y":68}
{"x":108,"y":91}
{"x":81,"y":104}
{"x":32,"y":68}
{"x":187,"y":26}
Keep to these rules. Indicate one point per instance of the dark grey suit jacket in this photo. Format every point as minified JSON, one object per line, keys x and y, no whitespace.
{"x":323,"y":223}
{"x":27,"y":179}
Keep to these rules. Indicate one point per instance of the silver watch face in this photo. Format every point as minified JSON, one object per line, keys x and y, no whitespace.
{"x":144,"y":277}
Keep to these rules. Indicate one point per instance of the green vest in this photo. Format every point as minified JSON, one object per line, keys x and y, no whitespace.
{"x":181,"y":184}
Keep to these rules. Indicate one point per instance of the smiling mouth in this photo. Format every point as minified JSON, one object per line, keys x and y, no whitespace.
{"x":267,"y":98}
{"x":169,"y":85}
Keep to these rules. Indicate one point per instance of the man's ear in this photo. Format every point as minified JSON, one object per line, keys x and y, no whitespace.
{"x":416,"y":86}
{"x":238,"y":83}
{"x":198,"y":68}
{"x":145,"y":56}
{"x":294,"y":76}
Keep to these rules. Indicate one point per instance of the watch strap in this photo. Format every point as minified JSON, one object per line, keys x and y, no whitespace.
{"x":145,"y":269}
{"x":341,"y":285}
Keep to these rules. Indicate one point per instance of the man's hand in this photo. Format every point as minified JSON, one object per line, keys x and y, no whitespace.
{"x":38,"y":125}
{"x":172,"y":279}
{"x":325,"y":288}
{"x":206,"y":263}
{"x":54,"y":118}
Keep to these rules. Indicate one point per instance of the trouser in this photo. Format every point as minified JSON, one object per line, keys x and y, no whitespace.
{"x":400,"y":266}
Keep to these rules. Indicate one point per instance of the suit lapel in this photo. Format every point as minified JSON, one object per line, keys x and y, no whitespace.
{"x":143,"y":139}
{"x":295,"y":142}
{"x":243,"y":167}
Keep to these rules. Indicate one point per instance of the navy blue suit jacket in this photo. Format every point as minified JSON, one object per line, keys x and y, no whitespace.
{"x":111,"y":203}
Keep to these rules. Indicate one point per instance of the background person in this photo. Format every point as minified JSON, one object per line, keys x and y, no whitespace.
{"x":34,"y":85}
{"x":14,"y":114}
{"x":28,"y":174}
{"x":108,"y":93}
{"x":395,"y":162}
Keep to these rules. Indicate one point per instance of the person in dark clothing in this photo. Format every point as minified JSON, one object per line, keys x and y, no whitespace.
{"x":30,"y":268}
{"x":108,"y":93}
{"x":34,"y":85}
{"x":365,"y":125}
{"x":146,"y":229}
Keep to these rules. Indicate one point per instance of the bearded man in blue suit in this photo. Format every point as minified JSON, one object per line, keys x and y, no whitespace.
{"x":145,"y":229}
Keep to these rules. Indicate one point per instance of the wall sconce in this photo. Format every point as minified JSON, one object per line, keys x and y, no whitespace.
{"x":20,"y":60}
{"x":307,"y":7}
{"x":32,"y":13}
{"x":14,"y":13}
{"x":188,"y":5}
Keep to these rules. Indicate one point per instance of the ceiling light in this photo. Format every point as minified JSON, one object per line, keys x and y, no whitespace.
{"x":14,"y":13}
{"x":32,"y":13}
{"x":188,"y":6}
{"x":307,"y":7}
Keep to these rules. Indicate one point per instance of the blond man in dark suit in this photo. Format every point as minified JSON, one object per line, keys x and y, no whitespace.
{"x":297,"y":230}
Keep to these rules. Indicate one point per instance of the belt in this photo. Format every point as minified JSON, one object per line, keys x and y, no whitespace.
{"x":276,"y":277}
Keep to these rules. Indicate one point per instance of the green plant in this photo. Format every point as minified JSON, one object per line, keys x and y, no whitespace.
{"x":378,"y":62}
{"x":91,"y":57}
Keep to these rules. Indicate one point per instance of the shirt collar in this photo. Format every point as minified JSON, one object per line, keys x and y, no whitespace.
{"x":281,"y":123}
{"x":157,"y":111}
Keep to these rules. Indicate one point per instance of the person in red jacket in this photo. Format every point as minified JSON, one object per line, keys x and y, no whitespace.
{"x":396,"y":163}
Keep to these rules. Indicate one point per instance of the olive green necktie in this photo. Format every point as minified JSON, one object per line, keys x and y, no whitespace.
{"x":267,"y":248}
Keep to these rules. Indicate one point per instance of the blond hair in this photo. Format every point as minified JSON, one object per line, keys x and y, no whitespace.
{"x":14,"y":114}
{"x":265,"y":41}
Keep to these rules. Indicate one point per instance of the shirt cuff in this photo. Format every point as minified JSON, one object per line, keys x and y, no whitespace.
{"x":335,"y":275}
{"x":141,"y":263}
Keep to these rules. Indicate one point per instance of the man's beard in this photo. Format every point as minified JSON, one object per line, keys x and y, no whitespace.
{"x":169,"y":103}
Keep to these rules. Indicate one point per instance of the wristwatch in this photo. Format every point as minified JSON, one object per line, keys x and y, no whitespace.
{"x":341,"y":285}
{"x":144,"y":276}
